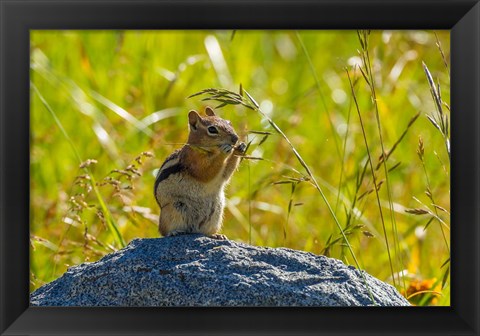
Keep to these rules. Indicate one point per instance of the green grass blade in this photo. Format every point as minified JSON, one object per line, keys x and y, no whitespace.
{"x":110,"y":222}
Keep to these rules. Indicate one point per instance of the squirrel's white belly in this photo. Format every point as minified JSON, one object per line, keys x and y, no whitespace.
{"x":198,"y":206}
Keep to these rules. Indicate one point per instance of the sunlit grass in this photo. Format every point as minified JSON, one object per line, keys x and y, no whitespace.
{"x":119,"y":94}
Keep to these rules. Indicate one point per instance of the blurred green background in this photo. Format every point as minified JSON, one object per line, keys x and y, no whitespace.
{"x":109,"y":96}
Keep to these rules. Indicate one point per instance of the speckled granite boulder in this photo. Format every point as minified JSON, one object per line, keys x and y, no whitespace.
{"x":193,"y":270}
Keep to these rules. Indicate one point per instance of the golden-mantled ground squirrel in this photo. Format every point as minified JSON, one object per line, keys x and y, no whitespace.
{"x":189,"y":187}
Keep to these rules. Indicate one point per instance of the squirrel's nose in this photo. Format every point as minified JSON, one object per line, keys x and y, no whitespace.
{"x":234,"y":139}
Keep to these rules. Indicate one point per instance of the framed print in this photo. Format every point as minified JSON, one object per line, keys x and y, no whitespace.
{"x":306,"y":163}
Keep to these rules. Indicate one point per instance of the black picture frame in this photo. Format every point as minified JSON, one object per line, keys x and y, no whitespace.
{"x":17,"y":17}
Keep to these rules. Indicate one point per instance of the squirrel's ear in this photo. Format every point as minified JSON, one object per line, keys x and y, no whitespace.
{"x":193,"y":119}
{"x":209,"y":111}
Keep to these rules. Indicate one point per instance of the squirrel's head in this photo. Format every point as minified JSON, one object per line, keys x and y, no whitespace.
{"x":210,"y":130}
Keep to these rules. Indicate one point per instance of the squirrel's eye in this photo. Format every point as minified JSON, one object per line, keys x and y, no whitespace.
{"x":212,"y":130}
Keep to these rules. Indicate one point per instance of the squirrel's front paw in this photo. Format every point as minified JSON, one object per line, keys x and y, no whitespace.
{"x":241,"y":148}
{"x":226,"y":148}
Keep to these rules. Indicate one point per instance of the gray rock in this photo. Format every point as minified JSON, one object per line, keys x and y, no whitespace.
{"x":193,"y":270}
